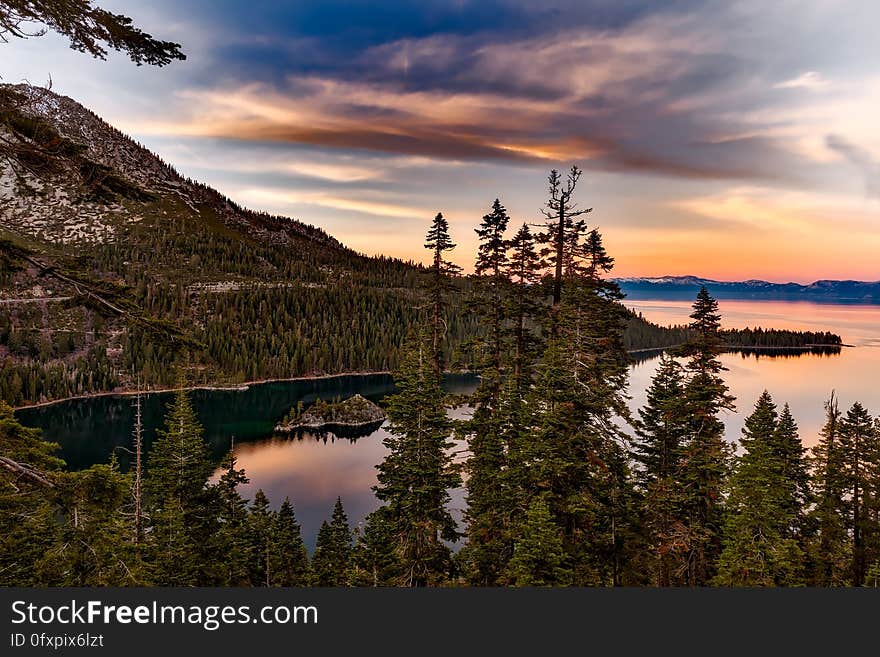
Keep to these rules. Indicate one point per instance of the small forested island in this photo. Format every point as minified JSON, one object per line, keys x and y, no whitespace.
{"x":779,"y":338}
{"x":355,"y":412}
{"x":642,"y":335}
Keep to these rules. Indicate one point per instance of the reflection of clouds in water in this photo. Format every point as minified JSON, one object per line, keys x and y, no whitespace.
{"x":737,"y":369}
{"x":307,"y":459}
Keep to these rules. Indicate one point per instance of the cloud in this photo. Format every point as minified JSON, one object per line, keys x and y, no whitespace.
{"x":686,"y":88}
{"x":652,"y":96}
{"x":811,"y":80}
{"x":359,"y":205}
{"x":758,"y":208}
{"x":861,"y":159}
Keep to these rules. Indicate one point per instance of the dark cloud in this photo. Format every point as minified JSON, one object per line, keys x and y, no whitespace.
{"x":358,"y":24}
{"x":437,"y":144}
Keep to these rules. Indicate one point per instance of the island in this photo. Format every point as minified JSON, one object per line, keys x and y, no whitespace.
{"x":353,"y":415}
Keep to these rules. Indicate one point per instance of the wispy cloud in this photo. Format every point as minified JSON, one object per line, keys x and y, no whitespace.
{"x":359,"y":205}
{"x":862,"y":159}
{"x":613,"y":100}
{"x":811,"y":80}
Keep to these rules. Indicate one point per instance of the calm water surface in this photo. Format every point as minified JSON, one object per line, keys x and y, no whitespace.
{"x":312,"y":470}
{"x":803,"y":381}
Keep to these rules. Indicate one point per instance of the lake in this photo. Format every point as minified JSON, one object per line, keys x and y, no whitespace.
{"x":313,"y":470}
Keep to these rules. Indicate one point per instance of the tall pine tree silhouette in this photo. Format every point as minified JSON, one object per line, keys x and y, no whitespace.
{"x":439,"y":285}
{"x":331,"y":561}
{"x":706,"y":454}
{"x":181,"y":506}
{"x":760,"y":548}
{"x":861,"y":450}
{"x":488,"y":511}
{"x":662,"y":432}
{"x":830,"y":550}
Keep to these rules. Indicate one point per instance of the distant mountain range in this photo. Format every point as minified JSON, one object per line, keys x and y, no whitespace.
{"x":676,"y":288}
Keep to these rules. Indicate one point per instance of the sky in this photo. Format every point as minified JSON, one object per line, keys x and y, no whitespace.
{"x":730,"y":139}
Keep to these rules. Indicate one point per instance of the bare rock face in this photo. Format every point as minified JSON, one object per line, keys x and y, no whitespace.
{"x":354,"y":412}
{"x":69,"y":178}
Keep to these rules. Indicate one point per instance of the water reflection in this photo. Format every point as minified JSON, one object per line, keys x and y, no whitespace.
{"x":805,"y":381}
{"x":312,"y":469}
{"x":648,"y":355}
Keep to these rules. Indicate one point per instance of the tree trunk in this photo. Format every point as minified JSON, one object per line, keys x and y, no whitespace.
{"x":560,"y":248}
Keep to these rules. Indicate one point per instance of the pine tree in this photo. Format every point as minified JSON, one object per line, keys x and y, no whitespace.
{"x":489,"y":498}
{"x":872,"y":512}
{"x":288,"y":559}
{"x":523,"y":304}
{"x":181,"y":506}
{"x":234,"y":548}
{"x":488,"y":510}
{"x":374,"y":559}
{"x":90,"y":29}
{"x":859,"y":447}
{"x":760,"y":548}
{"x":417,"y":474}
{"x":439,"y":285}
{"x":598,"y":260}
{"x":706,"y":455}
{"x":576,"y":454}
{"x":662,"y":432}
{"x":539,"y":554}
{"x":789,"y":450}
{"x":260,"y":525}
{"x":93,"y":547}
{"x":830,"y":549}
{"x":490,"y":270}
{"x":564,"y":229}
{"x":137,"y":483}
{"x":331,"y":562}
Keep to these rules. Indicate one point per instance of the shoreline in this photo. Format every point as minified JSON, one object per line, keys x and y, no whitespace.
{"x":731,"y":347}
{"x":233,"y":387}
{"x":326,"y":426}
{"x":319,"y":377}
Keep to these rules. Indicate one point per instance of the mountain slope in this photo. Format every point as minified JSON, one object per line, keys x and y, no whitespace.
{"x":96,"y":179}
{"x":111,"y":264}
{"x":685,"y":287}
